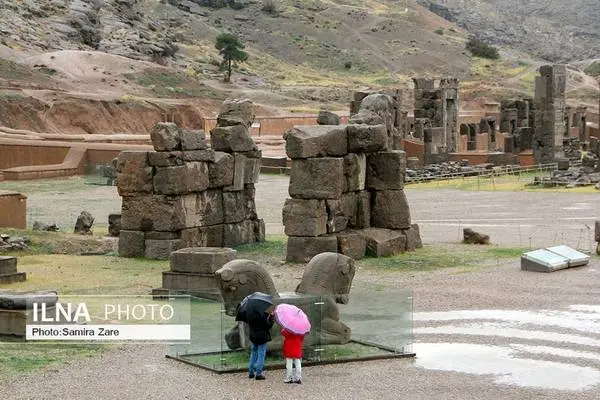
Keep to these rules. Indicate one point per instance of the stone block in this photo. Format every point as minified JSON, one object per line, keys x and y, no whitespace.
{"x":352,"y":244}
{"x":131,"y":243}
{"x":563,"y":164}
{"x":13,"y":278}
{"x":355,"y":172}
{"x":597,"y":231}
{"x":302,"y":249}
{"x":413,"y":238}
{"x":199,"y":285}
{"x":249,"y":202}
{"x":187,"y":178}
{"x":158,"y":235}
{"x":152,"y":212}
{"x":176,"y":158}
{"x":165,"y":137}
{"x":220,"y":172}
{"x":114,"y":224}
{"x":251,"y":170}
{"x":206,"y":209}
{"x":304,"y":217}
{"x":8,"y":265}
{"x":160,"y":249}
{"x":316,"y":141}
{"x":390,"y":210}
{"x":134,"y":174}
{"x":337,"y":221}
{"x":205,"y":260}
{"x":259,"y":230}
{"x":236,"y":112}
{"x":239,"y":233}
{"x":317,"y":178}
{"x":363,"y":210}
{"x":384,"y":242}
{"x":206,"y":236}
{"x":231,"y":139}
{"x":349,"y":207}
{"x":193,"y":140}
{"x":385,"y":170}
{"x":239,"y":173}
{"x":233,"y":207}
{"x":367,"y":138}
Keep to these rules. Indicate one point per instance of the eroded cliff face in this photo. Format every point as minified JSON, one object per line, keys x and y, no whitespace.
{"x":556,"y":30}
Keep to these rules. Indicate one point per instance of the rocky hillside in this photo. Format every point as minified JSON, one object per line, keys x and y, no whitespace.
{"x":555,"y":30}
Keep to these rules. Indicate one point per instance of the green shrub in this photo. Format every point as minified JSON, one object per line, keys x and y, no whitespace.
{"x":348,"y":64}
{"x":439,"y":31}
{"x":269,"y":7}
{"x":593,"y":69}
{"x":481,"y":49}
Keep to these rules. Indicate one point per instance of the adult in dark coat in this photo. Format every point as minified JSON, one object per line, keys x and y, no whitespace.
{"x":260,"y":334}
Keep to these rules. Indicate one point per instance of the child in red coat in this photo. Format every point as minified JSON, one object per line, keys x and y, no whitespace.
{"x":292,"y":351}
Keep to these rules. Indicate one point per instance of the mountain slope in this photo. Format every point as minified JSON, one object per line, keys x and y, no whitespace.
{"x":555,"y":30}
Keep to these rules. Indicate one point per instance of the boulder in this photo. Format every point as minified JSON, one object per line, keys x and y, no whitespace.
{"x":177,"y":158}
{"x":83,"y":225}
{"x":472,"y":237}
{"x":328,"y":118}
{"x":413,"y":238}
{"x":337,"y":221}
{"x":41,"y":226}
{"x":233,"y":207}
{"x":193,"y":140}
{"x":131,"y":244}
{"x":352,"y":244}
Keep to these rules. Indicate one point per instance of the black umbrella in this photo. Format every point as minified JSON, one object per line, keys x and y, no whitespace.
{"x":253,"y":306}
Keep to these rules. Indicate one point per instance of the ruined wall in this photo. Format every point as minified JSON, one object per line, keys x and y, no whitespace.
{"x":550,"y":113}
{"x":346,"y":187}
{"x":184,"y":194}
{"x":440,"y":105}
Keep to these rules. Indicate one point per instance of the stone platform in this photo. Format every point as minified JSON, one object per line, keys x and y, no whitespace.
{"x":8,"y":271}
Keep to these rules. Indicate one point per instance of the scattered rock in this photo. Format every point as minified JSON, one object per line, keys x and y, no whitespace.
{"x":40,"y":226}
{"x":472,"y":237}
{"x":13,"y":243}
{"x":83,"y":225}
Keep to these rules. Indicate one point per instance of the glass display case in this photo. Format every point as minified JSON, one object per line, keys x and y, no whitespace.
{"x":373,"y":325}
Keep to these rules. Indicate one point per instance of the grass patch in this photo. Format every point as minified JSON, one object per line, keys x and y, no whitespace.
{"x":593,"y":69}
{"x":61,"y":185}
{"x":171,"y":84}
{"x":431,"y":258}
{"x":17,"y":357}
{"x":584,"y":94}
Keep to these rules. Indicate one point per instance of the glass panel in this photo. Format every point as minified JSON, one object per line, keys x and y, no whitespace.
{"x":375,"y":324}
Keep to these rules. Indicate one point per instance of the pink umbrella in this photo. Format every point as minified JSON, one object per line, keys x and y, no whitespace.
{"x":292,"y":318}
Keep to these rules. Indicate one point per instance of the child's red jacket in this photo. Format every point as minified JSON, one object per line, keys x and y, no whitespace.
{"x":292,"y":344}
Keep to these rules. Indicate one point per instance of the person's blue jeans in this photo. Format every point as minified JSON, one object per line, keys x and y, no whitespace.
{"x":257,"y":358}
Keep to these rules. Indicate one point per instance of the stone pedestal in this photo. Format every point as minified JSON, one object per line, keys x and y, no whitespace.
{"x":8,"y":271}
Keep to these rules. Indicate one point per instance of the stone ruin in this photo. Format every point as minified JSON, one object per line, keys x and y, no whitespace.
{"x":550,"y":113}
{"x":193,"y":272}
{"x":327,"y":275}
{"x":436,"y":117}
{"x":185,"y":194}
{"x":8,"y":271}
{"x":16,"y":309}
{"x":346,"y":187}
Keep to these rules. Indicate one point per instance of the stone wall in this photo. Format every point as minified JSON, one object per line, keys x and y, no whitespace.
{"x":185,"y":194}
{"x":346,"y":188}
{"x":550,"y":113}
